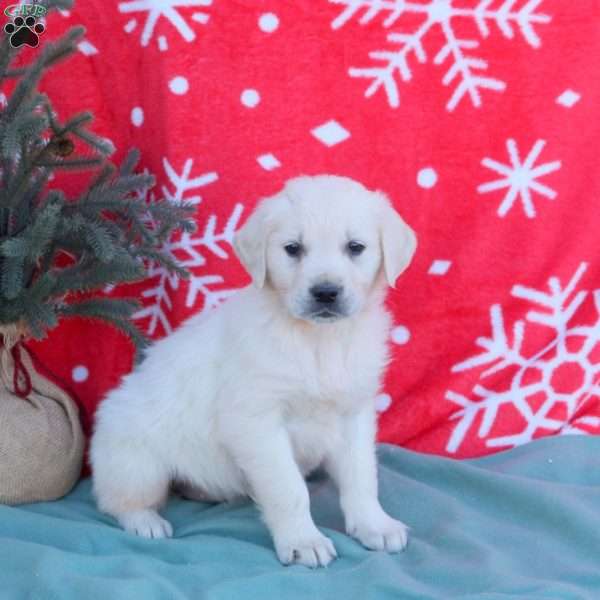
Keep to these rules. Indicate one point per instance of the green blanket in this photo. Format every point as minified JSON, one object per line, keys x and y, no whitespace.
{"x":521,"y":524}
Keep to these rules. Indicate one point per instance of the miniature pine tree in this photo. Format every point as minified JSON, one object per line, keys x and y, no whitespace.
{"x":103,"y":233}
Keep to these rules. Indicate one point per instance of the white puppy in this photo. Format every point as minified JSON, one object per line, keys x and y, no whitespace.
{"x":249,"y":398}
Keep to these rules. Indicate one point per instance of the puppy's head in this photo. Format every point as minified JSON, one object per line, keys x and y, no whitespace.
{"x":321,"y":244}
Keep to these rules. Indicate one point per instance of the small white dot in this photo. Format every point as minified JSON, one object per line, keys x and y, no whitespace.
{"x":137,"y":116}
{"x":80,"y":373}
{"x":250,"y":98}
{"x":427,"y":177}
{"x":268,"y":22}
{"x":400,"y":335}
{"x":382,"y":402}
{"x":179,"y":85}
{"x":110,"y":144}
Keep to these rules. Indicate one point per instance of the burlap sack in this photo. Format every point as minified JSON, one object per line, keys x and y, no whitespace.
{"x":41,"y":440}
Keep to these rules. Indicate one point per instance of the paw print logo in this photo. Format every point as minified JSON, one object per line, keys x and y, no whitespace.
{"x":24,"y":31}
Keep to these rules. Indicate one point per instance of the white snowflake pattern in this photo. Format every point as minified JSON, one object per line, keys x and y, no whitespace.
{"x":189,"y":250}
{"x":464,"y":69}
{"x":520,"y":178}
{"x":535,"y":375}
{"x":167,"y":9}
{"x":184,"y":184}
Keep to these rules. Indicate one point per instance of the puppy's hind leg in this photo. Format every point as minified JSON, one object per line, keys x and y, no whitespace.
{"x":130,"y":484}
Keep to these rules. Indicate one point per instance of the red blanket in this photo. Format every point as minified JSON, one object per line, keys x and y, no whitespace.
{"x":478,"y":117}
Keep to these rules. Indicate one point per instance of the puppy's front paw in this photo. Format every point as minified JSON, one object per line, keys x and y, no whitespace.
{"x":314,"y":550}
{"x":379,"y":531}
{"x":146,"y":523}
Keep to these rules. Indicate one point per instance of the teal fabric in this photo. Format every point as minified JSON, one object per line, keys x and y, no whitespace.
{"x":520,"y":524}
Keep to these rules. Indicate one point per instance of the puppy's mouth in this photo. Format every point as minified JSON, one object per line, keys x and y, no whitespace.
{"x":324,"y":312}
{"x":325,"y":315}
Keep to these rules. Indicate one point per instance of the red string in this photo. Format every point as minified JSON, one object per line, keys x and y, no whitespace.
{"x":21,"y":378}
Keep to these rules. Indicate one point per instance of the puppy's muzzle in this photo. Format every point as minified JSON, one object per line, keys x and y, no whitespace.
{"x":326,"y":301}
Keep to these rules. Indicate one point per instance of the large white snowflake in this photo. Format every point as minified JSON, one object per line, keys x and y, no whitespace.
{"x":464,"y":70}
{"x":156,"y":9}
{"x":520,"y":178}
{"x":189,"y":250}
{"x":563,"y":375}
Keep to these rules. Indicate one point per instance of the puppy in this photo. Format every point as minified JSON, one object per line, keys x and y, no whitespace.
{"x":249,"y":398}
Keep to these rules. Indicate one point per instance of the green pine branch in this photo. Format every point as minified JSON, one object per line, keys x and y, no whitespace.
{"x":55,"y":250}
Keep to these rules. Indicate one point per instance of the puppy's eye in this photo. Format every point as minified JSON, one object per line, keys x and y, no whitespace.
{"x":293,"y":249}
{"x":355,"y":248}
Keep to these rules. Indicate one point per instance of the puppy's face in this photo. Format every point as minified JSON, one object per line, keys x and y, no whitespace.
{"x":322,"y":258}
{"x":321,"y":243}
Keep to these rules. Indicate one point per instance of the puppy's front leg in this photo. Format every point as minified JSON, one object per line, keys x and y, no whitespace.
{"x":265,"y":456}
{"x":353,"y":466}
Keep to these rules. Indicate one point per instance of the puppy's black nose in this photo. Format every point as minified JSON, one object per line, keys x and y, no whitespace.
{"x":325,"y":293}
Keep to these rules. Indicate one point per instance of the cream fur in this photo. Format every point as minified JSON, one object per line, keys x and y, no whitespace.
{"x":247,"y":399}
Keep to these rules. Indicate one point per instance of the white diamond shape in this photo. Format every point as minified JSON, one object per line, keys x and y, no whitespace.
{"x":439,"y":267}
{"x":87,"y":48}
{"x":330,"y":133}
{"x":568,"y":98}
{"x":268,"y":162}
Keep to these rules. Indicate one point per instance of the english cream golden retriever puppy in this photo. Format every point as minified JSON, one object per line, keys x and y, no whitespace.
{"x":247,"y":399}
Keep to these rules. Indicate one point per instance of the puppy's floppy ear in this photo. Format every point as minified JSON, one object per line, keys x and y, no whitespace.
{"x":250,"y":241}
{"x":398,"y":242}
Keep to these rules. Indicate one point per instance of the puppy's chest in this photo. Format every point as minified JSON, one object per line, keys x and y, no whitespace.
{"x":313,"y":440}
{"x":332,"y":380}
{"x":316,"y":411}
